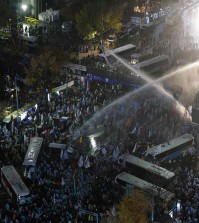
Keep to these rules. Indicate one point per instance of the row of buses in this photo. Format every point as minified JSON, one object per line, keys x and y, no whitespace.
{"x":127,"y":52}
{"x":152,"y":178}
{"x":10,"y":178}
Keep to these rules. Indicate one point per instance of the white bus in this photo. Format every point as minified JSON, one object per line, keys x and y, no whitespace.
{"x":124,"y":52}
{"x":155,"y":65}
{"x":126,"y":179}
{"x":14,"y":185}
{"x":30,"y":41}
{"x":32,"y":153}
{"x":146,"y":170}
{"x":174,"y":145}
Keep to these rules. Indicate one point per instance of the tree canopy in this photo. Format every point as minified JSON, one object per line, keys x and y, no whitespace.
{"x":44,"y":69}
{"x":134,"y":208}
{"x":96,"y":16}
{"x":6,"y":14}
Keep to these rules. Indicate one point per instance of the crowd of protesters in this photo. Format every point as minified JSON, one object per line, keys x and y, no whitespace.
{"x":64,"y":186}
{"x":74,"y":187}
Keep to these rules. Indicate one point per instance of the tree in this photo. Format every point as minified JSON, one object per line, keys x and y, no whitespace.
{"x":44,"y":70}
{"x":98,"y":17}
{"x":6,"y":14}
{"x":95,"y":16}
{"x":135,"y":208}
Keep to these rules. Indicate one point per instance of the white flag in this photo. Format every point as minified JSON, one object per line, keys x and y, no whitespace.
{"x":135,"y":147}
{"x":134,"y":131}
{"x":81,"y":161}
{"x":149,"y":133}
{"x":61,"y":154}
{"x":25,"y":173}
{"x":65,"y":155}
{"x":115,"y":156}
{"x":113,"y":211}
{"x":62,"y":181}
{"x":29,"y":175}
{"x":87,"y":163}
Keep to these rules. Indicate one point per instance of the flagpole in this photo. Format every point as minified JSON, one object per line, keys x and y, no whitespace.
{"x":17,"y":101}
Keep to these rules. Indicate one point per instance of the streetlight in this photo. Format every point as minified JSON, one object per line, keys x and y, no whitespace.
{"x":24,"y":7}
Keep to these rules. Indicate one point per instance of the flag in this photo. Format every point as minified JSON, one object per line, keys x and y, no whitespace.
{"x":149,"y":133}
{"x":113,"y":211}
{"x":87,"y":163}
{"x":135,"y":147}
{"x":81,"y":161}
{"x":61,"y":154}
{"x":54,"y":199}
{"x":65,"y":155}
{"x":81,"y":139}
{"x":62,"y":181}
{"x":25,"y":173}
{"x":134,"y":131}
{"x":12,"y":126}
{"x":29,"y":175}
{"x":115,"y":156}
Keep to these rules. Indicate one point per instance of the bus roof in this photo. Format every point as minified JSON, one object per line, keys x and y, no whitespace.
{"x":33,"y":151}
{"x":118,"y":50}
{"x":73,"y":66}
{"x":150,"y":61}
{"x":57,"y":146}
{"x":158,"y":170}
{"x":15,"y":180}
{"x":146,"y":186}
{"x":173,"y":143}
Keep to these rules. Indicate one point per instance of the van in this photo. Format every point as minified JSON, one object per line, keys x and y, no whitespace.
{"x":112,"y":39}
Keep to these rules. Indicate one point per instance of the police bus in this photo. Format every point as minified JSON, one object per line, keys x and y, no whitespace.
{"x":15,"y":186}
{"x":172,"y":148}
{"x":126,"y":179}
{"x":32,"y":153}
{"x":154,"y":66}
{"x":124,"y":52}
{"x":146,"y":170}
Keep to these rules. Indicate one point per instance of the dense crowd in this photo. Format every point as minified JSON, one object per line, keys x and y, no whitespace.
{"x":66,"y":187}
{"x":78,"y":186}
